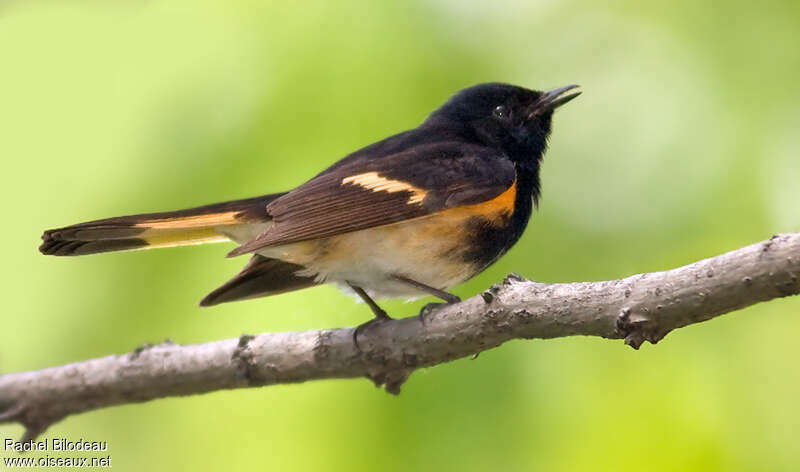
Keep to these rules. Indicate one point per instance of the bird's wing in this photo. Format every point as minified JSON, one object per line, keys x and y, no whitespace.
{"x":398,"y":187}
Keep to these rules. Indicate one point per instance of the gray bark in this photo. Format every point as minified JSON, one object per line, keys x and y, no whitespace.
{"x":639,"y":308}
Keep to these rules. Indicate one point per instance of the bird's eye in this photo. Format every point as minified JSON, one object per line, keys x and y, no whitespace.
{"x":500,"y":112}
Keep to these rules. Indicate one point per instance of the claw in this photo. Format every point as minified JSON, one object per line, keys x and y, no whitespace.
{"x":428,"y":309}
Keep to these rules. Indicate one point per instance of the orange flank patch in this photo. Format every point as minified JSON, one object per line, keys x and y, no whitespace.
{"x":496,"y":210}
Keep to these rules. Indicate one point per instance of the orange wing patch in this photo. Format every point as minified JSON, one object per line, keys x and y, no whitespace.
{"x":373,"y":181}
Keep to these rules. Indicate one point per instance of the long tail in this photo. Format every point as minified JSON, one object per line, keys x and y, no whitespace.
{"x":205,"y":224}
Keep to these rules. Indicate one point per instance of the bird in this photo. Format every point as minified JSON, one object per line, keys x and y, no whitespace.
{"x":409,"y":216}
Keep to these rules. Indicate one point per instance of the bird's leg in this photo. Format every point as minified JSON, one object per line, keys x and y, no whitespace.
{"x":446,"y":296}
{"x":449,"y":298}
{"x":380,"y":315}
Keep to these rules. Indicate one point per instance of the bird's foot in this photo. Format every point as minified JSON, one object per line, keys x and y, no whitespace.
{"x":378,"y":320}
{"x":430,"y":308}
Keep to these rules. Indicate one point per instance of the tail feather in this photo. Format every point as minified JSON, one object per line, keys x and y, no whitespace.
{"x":55,"y":247}
{"x":261,"y":277}
{"x":198,"y":225}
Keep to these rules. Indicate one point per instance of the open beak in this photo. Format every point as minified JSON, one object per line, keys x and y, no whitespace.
{"x":553,"y":99}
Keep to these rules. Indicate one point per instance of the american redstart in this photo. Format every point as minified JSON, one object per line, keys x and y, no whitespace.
{"x":413,"y":214}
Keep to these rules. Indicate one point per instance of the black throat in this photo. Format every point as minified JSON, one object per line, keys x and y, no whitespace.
{"x":528,"y":191}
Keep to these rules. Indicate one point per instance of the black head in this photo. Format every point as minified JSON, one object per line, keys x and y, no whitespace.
{"x":515,"y":119}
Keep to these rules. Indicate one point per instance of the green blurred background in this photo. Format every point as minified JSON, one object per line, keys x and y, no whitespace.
{"x":684,"y":145}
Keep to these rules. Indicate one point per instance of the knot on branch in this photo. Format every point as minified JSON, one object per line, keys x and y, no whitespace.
{"x":492,"y":292}
{"x":35,"y":420}
{"x":391,"y":371}
{"x":147,"y":346}
{"x":638,"y":328}
{"x":243,"y":359}
{"x":391,"y":380}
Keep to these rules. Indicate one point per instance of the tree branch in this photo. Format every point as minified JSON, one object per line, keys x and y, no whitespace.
{"x":639,"y":308}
